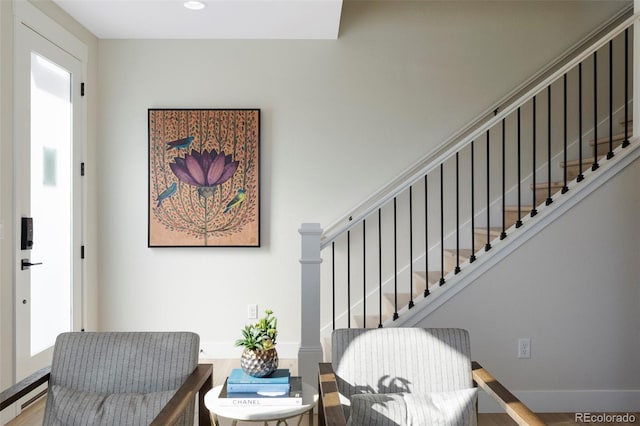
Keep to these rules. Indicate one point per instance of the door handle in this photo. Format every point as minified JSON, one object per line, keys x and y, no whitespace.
{"x":25,"y":264}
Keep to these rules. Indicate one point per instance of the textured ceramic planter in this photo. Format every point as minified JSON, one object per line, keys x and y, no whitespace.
{"x":259,"y":362}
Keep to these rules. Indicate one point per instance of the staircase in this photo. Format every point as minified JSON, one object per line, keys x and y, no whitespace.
{"x":482,"y":237}
{"x":397,"y":259}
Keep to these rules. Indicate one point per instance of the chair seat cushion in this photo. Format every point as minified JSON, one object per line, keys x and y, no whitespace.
{"x":454,"y":408}
{"x":70,"y":407}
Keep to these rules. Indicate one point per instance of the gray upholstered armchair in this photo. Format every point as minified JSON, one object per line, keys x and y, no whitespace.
{"x":407,"y":376}
{"x":121,"y":378}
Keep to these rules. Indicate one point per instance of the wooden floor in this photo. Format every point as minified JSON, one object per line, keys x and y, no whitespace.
{"x":32,"y":416}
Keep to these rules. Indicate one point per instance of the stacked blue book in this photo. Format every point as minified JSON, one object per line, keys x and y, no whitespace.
{"x":276,"y":382}
{"x":242,"y":390}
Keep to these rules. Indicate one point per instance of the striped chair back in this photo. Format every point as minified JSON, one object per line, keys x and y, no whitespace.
{"x":149,"y":364}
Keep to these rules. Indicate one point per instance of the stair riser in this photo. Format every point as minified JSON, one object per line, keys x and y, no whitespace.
{"x":542,"y":193}
{"x":450,"y":259}
{"x":420,"y":279}
{"x":510,"y":218}
{"x":403,"y":300}
{"x":480,"y":238}
{"x":450,"y":262}
{"x":419,"y":285}
{"x":574,"y":171}
{"x":603,"y":148}
{"x":372,"y":321}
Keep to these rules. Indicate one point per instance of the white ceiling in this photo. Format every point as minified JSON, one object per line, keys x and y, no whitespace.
{"x":220,"y":19}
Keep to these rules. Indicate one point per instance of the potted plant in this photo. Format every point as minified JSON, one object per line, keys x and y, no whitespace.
{"x":259,"y":357}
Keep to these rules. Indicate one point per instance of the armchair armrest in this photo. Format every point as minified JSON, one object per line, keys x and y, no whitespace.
{"x":519,"y":412}
{"x":200,"y":381}
{"x":329,"y":408}
{"x":23,"y":387}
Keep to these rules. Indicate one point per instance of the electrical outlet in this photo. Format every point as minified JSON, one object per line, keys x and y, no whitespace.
{"x":524,"y":348}
{"x":252,"y":311}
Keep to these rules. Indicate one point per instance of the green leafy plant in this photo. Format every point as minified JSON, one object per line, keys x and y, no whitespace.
{"x":261,"y":335}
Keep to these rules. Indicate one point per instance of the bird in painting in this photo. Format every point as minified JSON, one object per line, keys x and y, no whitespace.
{"x":237,"y":200}
{"x":180,"y":143}
{"x":171,"y":189}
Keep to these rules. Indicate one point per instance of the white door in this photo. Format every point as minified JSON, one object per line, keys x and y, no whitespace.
{"x":48,"y":132}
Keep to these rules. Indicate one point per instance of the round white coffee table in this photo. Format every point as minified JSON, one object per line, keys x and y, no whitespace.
{"x":263,"y":413}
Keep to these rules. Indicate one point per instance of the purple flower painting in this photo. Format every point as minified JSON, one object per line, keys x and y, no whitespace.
{"x":203,"y":178}
{"x":205,"y":170}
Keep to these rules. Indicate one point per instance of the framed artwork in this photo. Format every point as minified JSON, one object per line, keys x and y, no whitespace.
{"x":204,"y":178}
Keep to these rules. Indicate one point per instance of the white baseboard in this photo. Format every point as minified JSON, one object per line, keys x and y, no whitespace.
{"x":227,"y":350}
{"x":570,"y":401}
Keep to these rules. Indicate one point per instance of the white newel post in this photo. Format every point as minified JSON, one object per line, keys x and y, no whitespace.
{"x":310,"y":353}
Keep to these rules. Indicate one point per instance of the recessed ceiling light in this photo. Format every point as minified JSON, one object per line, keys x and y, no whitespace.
{"x":194,"y":5}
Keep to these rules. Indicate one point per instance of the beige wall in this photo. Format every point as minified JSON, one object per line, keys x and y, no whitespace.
{"x":339,"y":120}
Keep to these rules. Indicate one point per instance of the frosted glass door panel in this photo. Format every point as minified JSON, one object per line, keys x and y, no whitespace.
{"x":51,"y":203}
